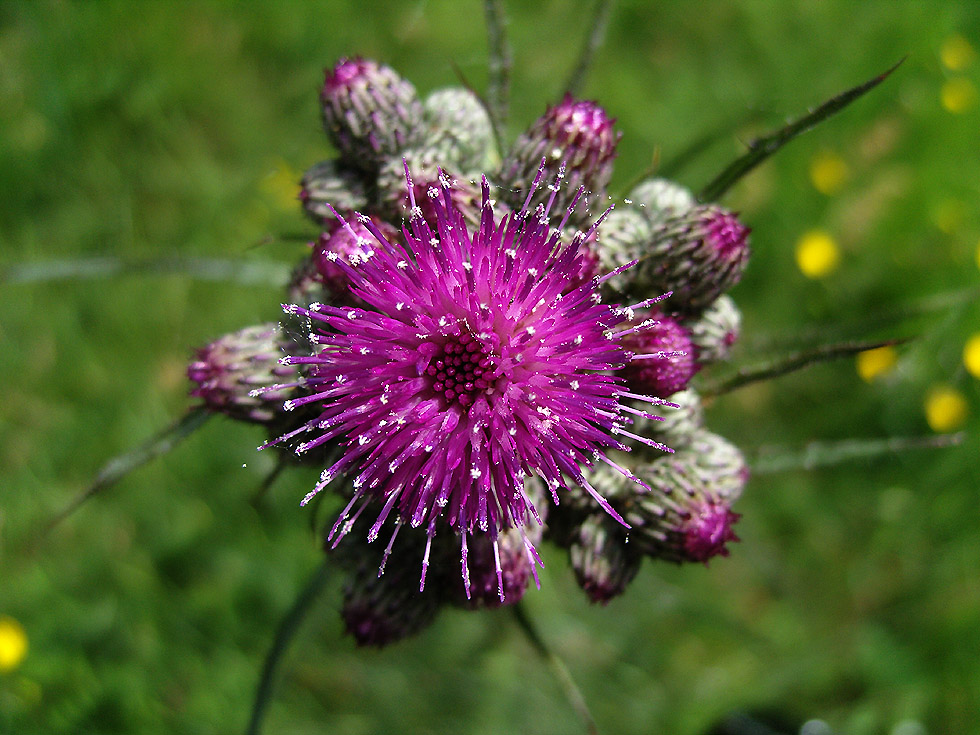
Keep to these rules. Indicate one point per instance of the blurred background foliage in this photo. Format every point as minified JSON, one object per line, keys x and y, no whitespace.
{"x":162,"y":130}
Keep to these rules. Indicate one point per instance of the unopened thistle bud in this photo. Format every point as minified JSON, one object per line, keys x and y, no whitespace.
{"x":350,"y":242}
{"x":664,"y":356}
{"x":624,"y":234}
{"x":660,"y":199}
{"x":679,"y":423}
{"x":379,"y":610}
{"x":237,"y":374}
{"x":603,"y":560}
{"x":715,"y":331}
{"x":697,"y":255}
{"x":458,"y":129}
{"x":424,"y":166}
{"x":327,"y":185}
{"x":577,"y":141}
{"x":686,"y":515}
{"x":369,"y":112}
{"x":498,"y":576}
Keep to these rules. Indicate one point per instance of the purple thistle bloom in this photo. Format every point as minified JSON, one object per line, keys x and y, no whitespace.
{"x":473,"y":367}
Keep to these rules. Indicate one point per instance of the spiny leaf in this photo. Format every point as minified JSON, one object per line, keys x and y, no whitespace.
{"x":761,"y":148}
{"x":769,"y":460}
{"x":593,"y":42}
{"x":794,"y":361}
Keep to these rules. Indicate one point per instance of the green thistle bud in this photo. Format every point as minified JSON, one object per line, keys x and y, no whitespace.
{"x":458,"y":129}
{"x":622,"y":237}
{"x":424,"y":166}
{"x":716,"y":330}
{"x":678,"y":426}
{"x":603,"y":560}
{"x":660,"y":199}
{"x":327,"y":183}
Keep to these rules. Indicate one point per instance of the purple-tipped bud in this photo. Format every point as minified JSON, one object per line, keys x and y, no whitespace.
{"x":661,"y":198}
{"x":716,"y":330}
{"x":424,"y":166}
{"x":698,"y":255}
{"x":458,"y":129}
{"x":603,"y":561}
{"x":369,"y":112}
{"x":576,"y":136}
{"x":516,"y":570}
{"x":345,"y":245}
{"x":663,"y":361}
{"x":686,"y":515}
{"x":237,"y":374}
{"x":327,"y":185}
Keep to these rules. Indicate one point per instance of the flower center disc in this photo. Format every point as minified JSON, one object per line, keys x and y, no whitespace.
{"x":463,"y":372}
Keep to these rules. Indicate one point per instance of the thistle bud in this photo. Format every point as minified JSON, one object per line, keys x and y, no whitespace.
{"x":458,"y":129}
{"x":327,"y":185}
{"x":660,"y":199}
{"x":716,"y":330}
{"x":238,"y":374}
{"x":602,"y":559}
{"x":623,"y":235}
{"x":424,"y":166}
{"x":485,"y":587}
{"x":678,"y":424}
{"x":697,"y":255}
{"x":369,"y":112}
{"x":350,"y":243}
{"x":663,"y":356}
{"x":687,"y":516}
{"x":578,"y":144}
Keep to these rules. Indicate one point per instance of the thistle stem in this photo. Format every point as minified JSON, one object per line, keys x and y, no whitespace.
{"x":593,"y":42}
{"x":288,"y":628}
{"x":499,"y":65}
{"x":118,"y":467}
{"x":558,"y":668}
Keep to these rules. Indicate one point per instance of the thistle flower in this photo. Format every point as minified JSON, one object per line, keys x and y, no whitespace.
{"x":471,"y":367}
{"x":369,"y":111}
{"x":240,"y":374}
{"x":575,"y":139}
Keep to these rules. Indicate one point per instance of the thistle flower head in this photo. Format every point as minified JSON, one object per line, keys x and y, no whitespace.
{"x":576,"y":140}
{"x":471,"y":367}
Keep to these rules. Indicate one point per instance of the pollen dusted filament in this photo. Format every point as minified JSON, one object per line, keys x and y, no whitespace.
{"x":464,"y":370}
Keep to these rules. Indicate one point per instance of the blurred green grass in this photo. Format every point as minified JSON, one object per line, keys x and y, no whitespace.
{"x":144,"y":130}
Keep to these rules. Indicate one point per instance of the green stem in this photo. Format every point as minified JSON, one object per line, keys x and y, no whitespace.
{"x":288,"y":628}
{"x":558,"y":668}
{"x":118,"y":467}
{"x":772,"y":459}
{"x":793,"y":362}
{"x":247,"y":272}
{"x":593,"y":42}
{"x":499,"y":65}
